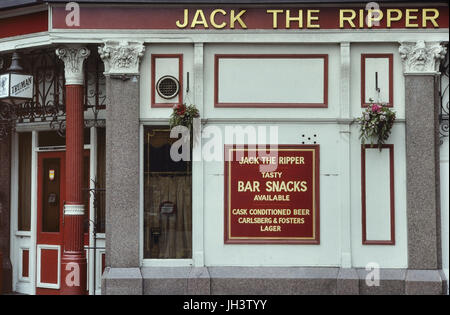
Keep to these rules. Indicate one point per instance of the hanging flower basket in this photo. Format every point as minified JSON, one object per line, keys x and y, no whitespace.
{"x":376,"y":124}
{"x":183,"y":115}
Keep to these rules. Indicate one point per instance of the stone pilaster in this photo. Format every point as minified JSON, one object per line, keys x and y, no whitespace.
{"x":122,"y":159}
{"x":420,"y":64}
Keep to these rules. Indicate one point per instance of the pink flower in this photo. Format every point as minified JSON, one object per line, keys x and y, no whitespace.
{"x":376,"y":108}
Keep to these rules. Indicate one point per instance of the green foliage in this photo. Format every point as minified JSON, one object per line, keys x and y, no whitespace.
{"x":376,"y":124}
{"x":183,"y":115}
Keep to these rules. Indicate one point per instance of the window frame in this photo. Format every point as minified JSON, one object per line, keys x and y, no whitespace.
{"x":197,"y":258}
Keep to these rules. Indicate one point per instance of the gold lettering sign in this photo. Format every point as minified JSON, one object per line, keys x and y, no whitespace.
{"x":219,"y":18}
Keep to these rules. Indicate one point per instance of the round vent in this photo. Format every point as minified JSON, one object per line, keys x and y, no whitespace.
{"x":167,"y":87}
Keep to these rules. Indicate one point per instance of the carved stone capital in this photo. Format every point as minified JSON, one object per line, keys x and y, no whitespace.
{"x":121,"y":57}
{"x":73,"y":58}
{"x":421,"y":57}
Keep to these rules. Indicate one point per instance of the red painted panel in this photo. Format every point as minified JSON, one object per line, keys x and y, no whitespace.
{"x":24,"y":24}
{"x":49,"y":266}
{"x":103,"y":262}
{"x":258,"y":209}
{"x":165,"y":17}
{"x":25,"y":263}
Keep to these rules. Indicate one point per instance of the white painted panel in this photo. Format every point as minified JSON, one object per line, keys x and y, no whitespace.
{"x":387,"y":256}
{"x":380,"y":66}
{"x":326,"y":254}
{"x":270,"y":80}
{"x":21,"y":266}
{"x":211,"y":112}
{"x":356,"y":50}
{"x":145,"y":81}
{"x":378,"y":222}
{"x":163,"y":67}
{"x":98,"y":269}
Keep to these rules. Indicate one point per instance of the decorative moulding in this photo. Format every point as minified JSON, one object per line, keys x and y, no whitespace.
{"x":74,"y":210}
{"x":121,"y":57}
{"x":73,"y":58}
{"x":421,"y":58}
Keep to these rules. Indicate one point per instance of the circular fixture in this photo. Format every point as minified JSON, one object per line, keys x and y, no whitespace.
{"x":168,"y":87}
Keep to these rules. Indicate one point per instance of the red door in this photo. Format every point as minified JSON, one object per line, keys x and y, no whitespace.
{"x":50,"y":221}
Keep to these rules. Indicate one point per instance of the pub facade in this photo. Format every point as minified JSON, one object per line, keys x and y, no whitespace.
{"x":222,"y":148}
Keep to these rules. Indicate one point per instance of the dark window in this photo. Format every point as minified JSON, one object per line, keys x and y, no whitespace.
{"x":167,"y":199}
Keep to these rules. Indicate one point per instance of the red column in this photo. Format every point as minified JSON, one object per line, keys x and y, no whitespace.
{"x":73,"y":260}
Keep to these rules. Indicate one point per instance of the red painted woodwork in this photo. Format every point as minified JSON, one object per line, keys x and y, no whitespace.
{"x":271,"y":56}
{"x":24,"y":24}
{"x":165,"y":17}
{"x":154,"y":79}
{"x":363,"y":77}
{"x":25,"y":263}
{"x":236,"y":232}
{"x":73,"y":257}
{"x":365,"y":241}
{"x":74,"y":146}
{"x":48,"y":267}
{"x":103,"y":262}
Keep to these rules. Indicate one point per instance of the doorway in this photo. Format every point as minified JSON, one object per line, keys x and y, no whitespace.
{"x":50,"y":220}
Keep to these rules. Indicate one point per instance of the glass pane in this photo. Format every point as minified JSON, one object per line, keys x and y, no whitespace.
{"x":86,"y":193}
{"x":51,"y":180}
{"x":101,"y":176}
{"x":24,"y":197}
{"x":167,"y":199}
{"x":52,"y":139}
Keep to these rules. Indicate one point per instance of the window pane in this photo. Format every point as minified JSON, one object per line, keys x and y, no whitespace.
{"x":24,"y":198}
{"x":167,"y":199}
{"x":51,"y":181}
{"x":101,"y":176}
{"x":86,"y":193}
{"x":52,"y":139}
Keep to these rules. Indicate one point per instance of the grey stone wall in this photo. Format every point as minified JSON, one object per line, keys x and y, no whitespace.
{"x":269,"y":281}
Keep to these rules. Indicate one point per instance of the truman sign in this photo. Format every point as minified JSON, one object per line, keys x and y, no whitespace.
{"x":16,"y":86}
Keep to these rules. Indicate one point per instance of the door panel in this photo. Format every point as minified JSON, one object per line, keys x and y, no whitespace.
{"x":50,"y":223}
{"x":49,"y":266}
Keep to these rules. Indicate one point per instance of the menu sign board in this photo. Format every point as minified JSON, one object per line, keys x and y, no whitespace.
{"x":272,"y":196}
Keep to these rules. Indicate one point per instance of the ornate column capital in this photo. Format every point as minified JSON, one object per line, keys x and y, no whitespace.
{"x":73,"y":58}
{"x":121,"y":57}
{"x":421,"y":57}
